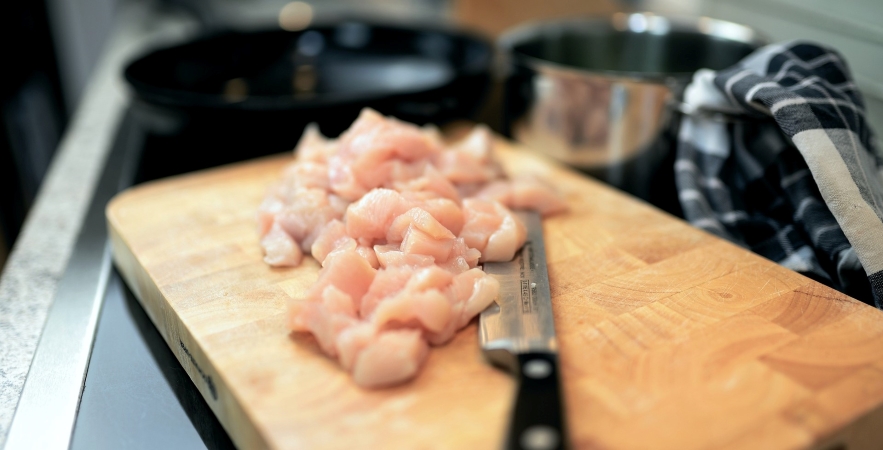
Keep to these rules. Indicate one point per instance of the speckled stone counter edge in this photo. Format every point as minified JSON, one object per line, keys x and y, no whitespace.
{"x":40,"y":255}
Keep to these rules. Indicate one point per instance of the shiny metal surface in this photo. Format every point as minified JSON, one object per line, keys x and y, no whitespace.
{"x":137,"y":396}
{"x":598,"y":93}
{"x":47,"y":409}
{"x":521,"y":319}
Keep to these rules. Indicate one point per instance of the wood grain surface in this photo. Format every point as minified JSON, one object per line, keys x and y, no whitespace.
{"x":670,"y":338}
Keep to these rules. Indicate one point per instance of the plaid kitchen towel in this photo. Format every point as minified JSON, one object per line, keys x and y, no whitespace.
{"x":777,"y":156}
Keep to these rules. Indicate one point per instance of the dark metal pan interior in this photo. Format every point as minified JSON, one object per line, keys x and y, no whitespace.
{"x":321,"y":66}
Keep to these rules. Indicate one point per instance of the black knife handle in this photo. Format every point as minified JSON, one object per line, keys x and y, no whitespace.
{"x":537,"y":419}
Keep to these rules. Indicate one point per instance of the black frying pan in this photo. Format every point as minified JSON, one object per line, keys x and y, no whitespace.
{"x":236,"y":95}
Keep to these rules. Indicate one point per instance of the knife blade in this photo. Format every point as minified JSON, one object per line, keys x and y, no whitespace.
{"x":518,"y":333}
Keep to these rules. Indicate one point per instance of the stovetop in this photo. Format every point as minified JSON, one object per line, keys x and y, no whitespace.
{"x":137,"y":395}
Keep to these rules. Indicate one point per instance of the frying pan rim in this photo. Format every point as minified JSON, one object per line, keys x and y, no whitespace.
{"x":184,"y":99}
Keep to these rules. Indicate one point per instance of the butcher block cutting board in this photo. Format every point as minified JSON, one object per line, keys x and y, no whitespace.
{"x":670,"y":338}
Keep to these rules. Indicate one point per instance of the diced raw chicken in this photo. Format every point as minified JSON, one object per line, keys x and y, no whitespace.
{"x":428,"y":309}
{"x":471,"y":292}
{"x":421,"y":220}
{"x":392,"y":357}
{"x":280,"y":250}
{"x":483,"y":294}
{"x":306,"y":174}
{"x":351,"y":341}
{"x":391,"y":256}
{"x":530,"y":192}
{"x":386,"y":284}
{"x":267,"y":213}
{"x":305,"y":214}
{"x":373,"y":136}
{"x":446,"y":211}
{"x":431,"y":277}
{"x":492,"y":229}
{"x":338,"y":302}
{"x":367,"y":252}
{"x":343,"y":181}
{"x":525,"y":192}
{"x":399,"y":222}
{"x":469,"y":161}
{"x":332,"y":237}
{"x":371,"y":142}
{"x":506,"y":240}
{"x":461,"y":258}
{"x":372,"y":215}
{"x":431,"y":182}
{"x":420,"y":243}
{"x":464,"y":283}
{"x":498,"y":190}
{"x":313,"y":146}
{"x":325,"y":325}
{"x":346,"y":270}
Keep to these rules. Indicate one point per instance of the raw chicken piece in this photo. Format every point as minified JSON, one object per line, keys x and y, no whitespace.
{"x":306,"y":174}
{"x":343,"y":181}
{"x":428,"y":309}
{"x":326,"y":318}
{"x":431,"y":277}
{"x":483,"y":294}
{"x":481,"y":219}
{"x":305,"y":214}
{"x":419,"y":219}
{"x":391,"y":256}
{"x":267,"y":213}
{"x":464,"y":283}
{"x":461,"y":258}
{"x":372,"y":215}
{"x":469,"y":161}
{"x":351,"y":341}
{"x":332,"y":237}
{"x":525,"y":192}
{"x":498,"y":190}
{"x":372,"y":141}
{"x":386,"y":284}
{"x":492,"y":229}
{"x":346,"y":270}
{"x":313,"y":146}
{"x":391,"y":358}
{"x":420,"y":243}
{"x":393,"y":215}
{"x":367,"y":252}
{"x":470,"y":292}
{"x":530,"y":192}
{"x":280,"y":250}
{"x":431,"y":182}
{"x":444,"y":210}
{"x":373,"y":136}
{"x":506,"y":240}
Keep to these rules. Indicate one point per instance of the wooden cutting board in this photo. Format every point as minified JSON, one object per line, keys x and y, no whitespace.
{"x":670,"y":338}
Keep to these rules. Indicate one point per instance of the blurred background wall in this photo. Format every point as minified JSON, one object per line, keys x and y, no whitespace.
{"x":53,"y":46}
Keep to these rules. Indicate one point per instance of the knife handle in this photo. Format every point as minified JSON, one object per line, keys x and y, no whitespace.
{"x":537,"y":419}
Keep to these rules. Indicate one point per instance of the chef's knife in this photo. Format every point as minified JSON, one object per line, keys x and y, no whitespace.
{"x":518,"y":333}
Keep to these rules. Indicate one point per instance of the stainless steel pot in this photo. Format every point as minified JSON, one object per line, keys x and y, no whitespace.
{"x":599,"y":94}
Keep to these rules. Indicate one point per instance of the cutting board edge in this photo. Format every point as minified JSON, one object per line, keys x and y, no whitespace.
{"x":222,"y":401}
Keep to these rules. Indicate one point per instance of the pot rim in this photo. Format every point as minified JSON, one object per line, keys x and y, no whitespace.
{"x":623,"y":22}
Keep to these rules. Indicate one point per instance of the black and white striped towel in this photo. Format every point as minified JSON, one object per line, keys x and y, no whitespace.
{"x":790,"y":169}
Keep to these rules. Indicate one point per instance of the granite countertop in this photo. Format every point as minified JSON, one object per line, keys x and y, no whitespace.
{"x":40,"y":255}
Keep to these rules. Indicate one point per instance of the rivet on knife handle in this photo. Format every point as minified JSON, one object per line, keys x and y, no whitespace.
{"x":537,"y":417}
